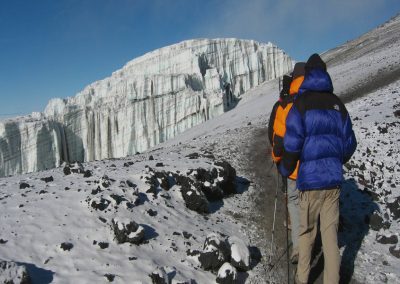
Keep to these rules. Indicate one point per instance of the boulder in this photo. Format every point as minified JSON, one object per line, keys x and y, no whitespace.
{"x":394,"y":208}
{"x":395,"y":251}
{"x":77,"y":168}
{"x":227,"y":274}
{"x":240,"y":253}
{"x":11,"y":272}
{"x":385,"y":238}
{"x":66,"y":246}
{"x":105,"y":182}
{"x":159,"y":276}
{"x":376,"y":222}
{"x":194,"y":198}
{"x":226,"y":177}
{"x":109,"y":277}
{"x":47,"y":179}
{"x":67,"y":170}
{"x":126,"y":231}
{"x":23,"y":185}
{"x":99,"y":203}
{"x":215,"y":253}
{"x":87,"y":173}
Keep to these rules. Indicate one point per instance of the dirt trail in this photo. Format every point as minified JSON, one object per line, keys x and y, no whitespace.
{"x":260,"y":169}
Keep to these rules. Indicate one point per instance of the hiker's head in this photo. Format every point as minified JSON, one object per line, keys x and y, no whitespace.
{"x":315,"y":62}
{"x":298,"y":77}
{"x":285,"y":85}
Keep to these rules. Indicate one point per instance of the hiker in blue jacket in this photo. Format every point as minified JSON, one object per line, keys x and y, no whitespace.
{"x":319,"y":135}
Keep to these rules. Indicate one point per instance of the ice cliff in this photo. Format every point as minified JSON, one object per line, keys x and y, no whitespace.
{"x":151,"y":99}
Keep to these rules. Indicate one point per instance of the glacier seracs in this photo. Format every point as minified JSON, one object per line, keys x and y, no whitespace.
{"x":151,"y":99}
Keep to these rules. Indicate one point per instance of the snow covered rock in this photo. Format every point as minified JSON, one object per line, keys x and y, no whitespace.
{"x":394,"y":208}
{"x":99,"y":203}
{"x":386,"y":238}
{"x":11,"y":272}
{"x":227,"y":274}
{"x":194,"y":198}
{"x":215,"y":253}
{"x":395,"y":250}
{"x":240,"y":253}
{"x":23,"y":185}
{"x":159,"y":276}
{"x":150,"y":100}
{"x":226,"y":177}
{"x":66,"y":246}
{"x":376,"y":222}
{"x":126,"y":231}
{"x":206,"y":181}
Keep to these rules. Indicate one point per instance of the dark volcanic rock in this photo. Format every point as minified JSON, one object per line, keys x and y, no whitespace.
{"x":152,"y":212}
{"x":159,"y":276}
{"x":2,"y":242}
{"x":386,"y":239}
{"x":77,"y":168}
{"x":67,"y":170}
{"x":47,"y":179}
{"x":118,"y":198}
{"x":127,"y":232}
{"x":104,"y":245}
{"x":227,"y":274}
{"x":159,"y":165}
{"x":105,"y":181}
{"x":394,"y":208}
{"x":66,"y":246}
{"x":100,"y":204}
{"x":110,"y":277}
{"x":194,"y":199}
{"x":186,"y":235}
{"x":397,"y":113}
{"x":164,"y":178}
{"x":376,"y":222}
{"x":96,"y":191}
{"x":395,"y":251}
{"x":151,"y":158}
{"x":13,"y":273}
{"x":215,"y":253}
{"x":88,"y":173}
{"x":193,"y":156}
{"x":127,"y":164}
{"x":23,"y":185}
{"x":228,"y":173}
{"x":131,"y":184}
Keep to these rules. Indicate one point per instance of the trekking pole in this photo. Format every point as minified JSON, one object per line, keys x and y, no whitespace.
{"x":287,"y":230}
{"x":273,"y":222}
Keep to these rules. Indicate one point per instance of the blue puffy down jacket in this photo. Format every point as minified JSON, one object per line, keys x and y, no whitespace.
{"x":318,"y":133}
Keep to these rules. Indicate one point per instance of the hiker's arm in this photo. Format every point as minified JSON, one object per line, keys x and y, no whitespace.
{"x":292,"y":142}
{"x":350,"y":142}
{"x":271,"y":123}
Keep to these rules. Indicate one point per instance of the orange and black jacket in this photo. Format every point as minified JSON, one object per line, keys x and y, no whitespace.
{"x":277,"y":122}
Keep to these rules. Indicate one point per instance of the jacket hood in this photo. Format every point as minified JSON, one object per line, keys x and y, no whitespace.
{"x":295,"y":85}
{"x":298,"y":70}
{"x":317,"y":80}
{"x":285,"y":85}
{"x":315,"y":62}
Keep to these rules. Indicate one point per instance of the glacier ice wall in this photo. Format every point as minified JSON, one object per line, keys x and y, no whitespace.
{"x":151,"y":99}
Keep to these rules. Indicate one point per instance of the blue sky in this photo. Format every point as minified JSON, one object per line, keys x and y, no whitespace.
{"x":54,"y":48}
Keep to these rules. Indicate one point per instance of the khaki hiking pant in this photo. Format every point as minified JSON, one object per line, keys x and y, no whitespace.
{"x":325,"y":205}
{"x":293,"y":208}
